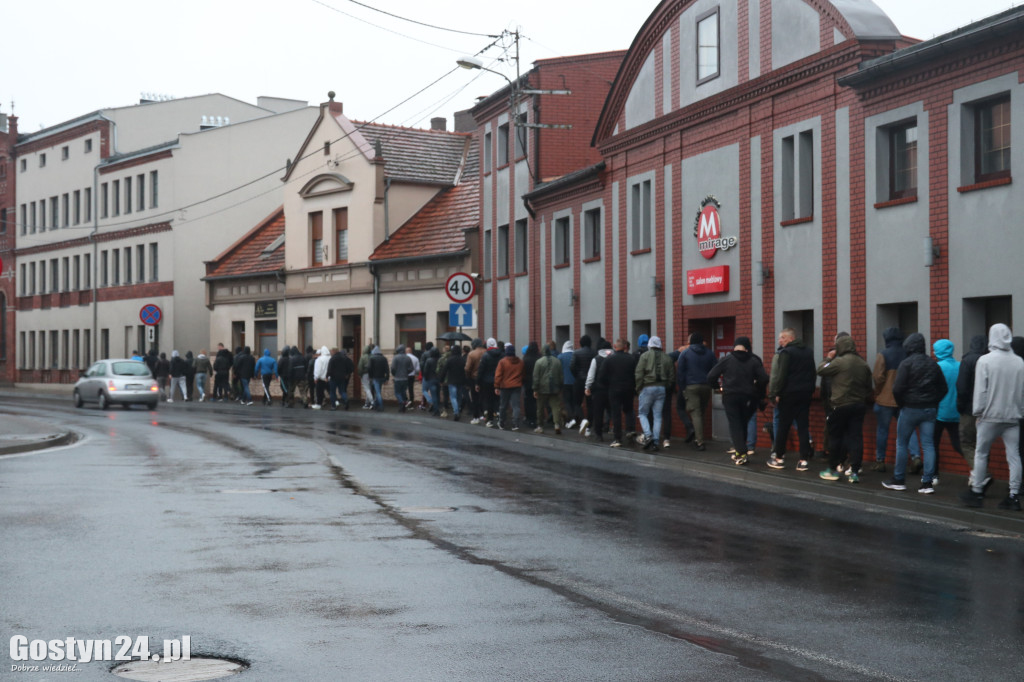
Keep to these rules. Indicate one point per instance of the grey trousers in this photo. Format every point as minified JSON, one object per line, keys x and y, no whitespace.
{"x":987,"y":433}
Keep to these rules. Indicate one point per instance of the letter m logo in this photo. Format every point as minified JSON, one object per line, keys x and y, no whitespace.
{"x":708,"y":228}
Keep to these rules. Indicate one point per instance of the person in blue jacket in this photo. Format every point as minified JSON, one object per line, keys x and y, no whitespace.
{"x":266,"y":369}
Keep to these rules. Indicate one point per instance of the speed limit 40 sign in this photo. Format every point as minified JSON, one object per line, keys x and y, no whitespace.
{"x":460,"y":287}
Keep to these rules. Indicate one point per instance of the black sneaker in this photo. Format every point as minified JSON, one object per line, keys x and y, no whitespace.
{"x":926,"y":489}
{"x":878,"y":466}
{"x":689,"y":438}
{"x":893,"y":484}
{"x":971,"y":498}
{"x":1011,"y":503}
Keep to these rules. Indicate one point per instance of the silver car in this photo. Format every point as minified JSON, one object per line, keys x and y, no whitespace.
{"x":118,"y":381}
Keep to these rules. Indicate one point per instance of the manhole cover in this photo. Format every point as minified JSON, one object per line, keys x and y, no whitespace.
{"x":179,"y":671}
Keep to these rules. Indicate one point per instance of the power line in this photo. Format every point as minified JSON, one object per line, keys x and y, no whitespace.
{"x":382,"y":28}
{"x":413,"y":21}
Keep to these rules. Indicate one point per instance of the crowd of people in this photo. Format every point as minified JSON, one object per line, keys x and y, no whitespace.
{"x":608,"y":390}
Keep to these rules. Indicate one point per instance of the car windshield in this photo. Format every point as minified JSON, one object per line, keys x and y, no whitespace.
{"x":130,"y":369}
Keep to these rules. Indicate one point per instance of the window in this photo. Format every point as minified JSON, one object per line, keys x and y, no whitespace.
{"x":981,"y":313}
{"x":87,"y":270}
{"x":24,"y":165}
{"x":65,"y":273}
{"x":42,"y":277}
{"x":640,"y":217}
{"x":502,"y":145}
{"x":76,"y":349}
{"x":487,"y":254}
{"x":88,"y":204}
{"x":3,"y":219}
{"x":316,"y":239}
{"x":24,"y":219}
{"x":54,"y":275}
{"x":797,"y":184}
{"x":127,"y":265}
{"x":903,"y":160}
{"x":42,"y":160}
{"x":487,"y":153}
{"x":140,"y":189}
{"x":707,"y":47}
{"x":87,"y":345}
{"x":592,"y":234}
{"x":140,"y":262}
{"x":153,"y":189}
{"x":521,"y":135}
{"x":42,"y":208}
{"x":77,"y":211}
{"x":411,"y":330}
{"x":563,"y":246}
{"x":65,"y":204}
{"x":116,"y":198}
{"x":104,"y":201}
{"x":103,"y":269}
{"x":88,"y":145}
{"x":54,"y":215}
{"x":992,"y":139}
{"x":502,"y":262}
{"x":64,"y":153}
{"x":341,"y":235}
{"x":42,"y":216}
{"x":522,"y":246}
{"x":327,"y":148}
{"x":153,"y":263}
{"x":76,"y":282}
{"x":115,"y":261}
{"x":54,"y":360}
{"x":128,"y":194}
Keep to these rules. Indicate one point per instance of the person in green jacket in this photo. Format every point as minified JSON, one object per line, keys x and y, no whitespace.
{"x":852,"y":387}
{"x":655,"y":373}
{"x":547,"y":388}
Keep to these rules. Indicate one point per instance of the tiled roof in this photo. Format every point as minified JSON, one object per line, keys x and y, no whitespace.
{"x":260,"y":251}
{"x":439,"y":227}
{"x":415,"y":155}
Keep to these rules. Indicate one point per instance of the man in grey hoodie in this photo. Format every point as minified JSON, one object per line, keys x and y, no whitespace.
{"x":999,"y":406}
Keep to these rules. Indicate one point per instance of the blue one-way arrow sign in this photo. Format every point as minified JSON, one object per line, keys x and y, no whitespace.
{"x":460,"y":315}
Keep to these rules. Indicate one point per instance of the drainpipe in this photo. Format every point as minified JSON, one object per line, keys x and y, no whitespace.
{"x":284,"y":309}
{"x":387,"y":221}
{"x":95,"y":263}
{"x":376,"y":304}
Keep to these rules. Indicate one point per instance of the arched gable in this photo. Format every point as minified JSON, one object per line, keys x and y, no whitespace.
{"x":325,"y":183}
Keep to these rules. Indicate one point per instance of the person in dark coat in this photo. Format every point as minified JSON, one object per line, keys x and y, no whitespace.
{"x":791,"y":388}
{"x":965,"y":398}
{"x":310,"y":379}
{"x":531,"y":353}
{"x":178,"y":368}
{"x":284,"y":373}
{"x":692,"y":378}
{"x":618,"y":373}
{"x":221,"y":368}
{"x":743,"y":384}
{"x":297,"y":386}
{"x":245,"y":370}
{"x":485,"y":381}
{"x":340,"y":369}
{"x":454,"y":374}
{"x":579,"y":365}
{"x":379,"y":374}
{"x":190,"y":375}
{"x":162,"y":373}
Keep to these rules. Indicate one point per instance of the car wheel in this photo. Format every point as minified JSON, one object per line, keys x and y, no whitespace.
{"x":152,"y":406}
{"x":78,"y":399}
{"x":126,"y":406}
{"x":103,"y":400}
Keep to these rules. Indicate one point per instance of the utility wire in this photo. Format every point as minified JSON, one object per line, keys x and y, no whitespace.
{"x":446,"y":48}
{"x":413,"y":21}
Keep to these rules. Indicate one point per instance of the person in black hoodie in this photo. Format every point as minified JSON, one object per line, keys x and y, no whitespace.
{"x":918,"y":389}
{"x":454,"y":374}
{"x":579,"y":365}
{"x":163,"y":371}
{"x":296,"y":378}
{"x":618,"y":373}
{"x":177,"y":369}
{"x":791,"y":389}
{"x":485,"y":381}
{"x":308,"y":394}
{"x":221,"y":367}
{"x":151,"y":360}
{"x":743,"y":384}
{"x":692,"y":377}
{"x":245,"y":369}
{"x":284,"y":373}
{"x":340,"y":369}
{"x":530,"y":356}
{"x":965,"y":397}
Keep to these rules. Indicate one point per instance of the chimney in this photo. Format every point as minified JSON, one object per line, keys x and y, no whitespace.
{"x":464,"y":122}
{"x":3,"y":123}
{"x":439,"y":123}
{"x":334,"y":107}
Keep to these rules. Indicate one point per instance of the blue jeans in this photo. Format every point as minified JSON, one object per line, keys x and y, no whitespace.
{"x":402,"y":393}
{"x":913,"y":418}
{"x":752,"y":432}
{"x":246,"y":395}
{"x":651,"y":398}
{"x":378,"y":402}
{"x":431,"y":388}
{"x":337,"y":389}
{"x":884,"y":416}
{"x":453,"y":396}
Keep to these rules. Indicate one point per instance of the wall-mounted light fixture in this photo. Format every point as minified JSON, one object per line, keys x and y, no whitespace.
{"x":655,"y":286}
{"x":573,"y":297}
{"x":509,"y":305}
{"x":763,"y":273}
{"x":931,"y":252}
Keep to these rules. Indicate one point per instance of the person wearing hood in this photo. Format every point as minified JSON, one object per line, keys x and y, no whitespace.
{"x":266,"y":370}
{"x":965,"y":400}
{"x":401,"y":368}
{"x":453,"y":373}
{"x":884,"y":374}
{"x":597,"y":389}
{"x":547,"y":388}
{"x":378,"y":371}
{"x":203,"y":370}
{"x":190,"y":375}
{"x":918,"y":388}
{"x":177,"y":369}
{"x":473,"y":359}
{"x":579,"y":365}
{"x":296,"y":377}
{"x":320,"y":363}
{"x":413,"y":373}
{"x":618,"y":373}
{"x":339,"y":371}
{"x":163,"y":373}
{"x":641,"y":346}
{"x":999,"y":407}
{"x":485,"y":382}
{"x":531,"y":354}
{"x":221,"y":367}
{"x":791,"y":387}
{"x":743,"y":385}
{"x":245,"y":370}
{"x":568,"y":380}
{"x":654,"y":373}
{"x":363,"y":369}
{"x":851,"y":388}
{"x":947,"y":418}
{"x":284,"y":372}
{"x":508,"y":384}
{"x":431,"y":385}
{"x":692,"y":376}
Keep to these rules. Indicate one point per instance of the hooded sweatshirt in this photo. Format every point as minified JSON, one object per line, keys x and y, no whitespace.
{"x":999,"y":380}
{"x":378,"y":365}
{"x":943,"y":349}
{"x":266,"y":365}
{"x":886,"y":364}
{"x":565,"y":357}
{"x":320,"y":365}
{"x":203,"y":365}
{"x":742,"y":373}
{"x":177,"y":365}
{"x":694,"y":364}
{"x":965,"y":379}
{"x":850,"y":375}
{"x":401,"y":365}
{"x":509,"y":372}
{"x":919,"y":381}
{"x":592,"y":382}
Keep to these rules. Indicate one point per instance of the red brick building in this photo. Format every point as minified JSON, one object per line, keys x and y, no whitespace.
{"x":8,"y":232}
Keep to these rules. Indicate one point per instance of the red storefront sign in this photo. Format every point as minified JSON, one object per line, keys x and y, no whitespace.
{"x":708,"y":280}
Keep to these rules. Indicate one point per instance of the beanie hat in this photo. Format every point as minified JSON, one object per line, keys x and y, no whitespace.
{"x":743,"y":341}
{"x":510,"y":350}
{"x":642,"y":340}
{"x":696,"y":339}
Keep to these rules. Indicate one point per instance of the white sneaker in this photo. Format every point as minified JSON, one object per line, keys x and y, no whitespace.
{"x":571,"y":423}
{"x":315,"y":407}
{"x":583,"y":426}
{"x":475,"y":421}
{"x":170,"y":400}
{"x":666,"y":443}
{"x":202,"y":398}
{"x":586,"y":434}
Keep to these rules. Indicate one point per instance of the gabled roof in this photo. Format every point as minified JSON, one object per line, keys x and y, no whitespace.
{"x":439,"y":227}
{"x":416,"y":155}
{"x":259,"y":252}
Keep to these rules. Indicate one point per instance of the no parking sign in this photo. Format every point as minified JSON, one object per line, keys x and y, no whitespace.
{"x":150,"y":314}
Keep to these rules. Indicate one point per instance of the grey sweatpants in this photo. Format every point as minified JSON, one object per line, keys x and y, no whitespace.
{"x":987,"y":433}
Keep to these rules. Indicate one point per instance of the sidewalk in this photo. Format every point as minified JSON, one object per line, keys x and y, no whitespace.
{"x":21,"y":434}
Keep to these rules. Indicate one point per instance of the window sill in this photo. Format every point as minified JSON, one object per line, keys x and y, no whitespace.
{"x":595,"y":259}
{"x":897,"y":202}
{"x":501,"y":277}
{"x":502,"y":166}
{"x":997,"y":182}
{"x":559,"y":266}
{"x":797,"y":221}
{"x":639,"y":252}
{"x":524,"y":273}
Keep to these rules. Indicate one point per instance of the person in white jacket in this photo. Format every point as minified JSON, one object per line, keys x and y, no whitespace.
{"x":320,"y":376}
{"x":998,"y":406}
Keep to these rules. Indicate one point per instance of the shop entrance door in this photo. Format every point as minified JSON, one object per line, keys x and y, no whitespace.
{"x":720,"y":335}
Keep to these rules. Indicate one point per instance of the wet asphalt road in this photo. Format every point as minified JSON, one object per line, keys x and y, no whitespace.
{"x":357,"y":546}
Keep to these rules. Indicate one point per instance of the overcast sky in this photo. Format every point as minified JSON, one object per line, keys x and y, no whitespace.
{"x":65,"y":58}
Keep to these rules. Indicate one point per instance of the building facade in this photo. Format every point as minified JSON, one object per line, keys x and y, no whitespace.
{"x":8,"y":237}
{"x":115,"y":212}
